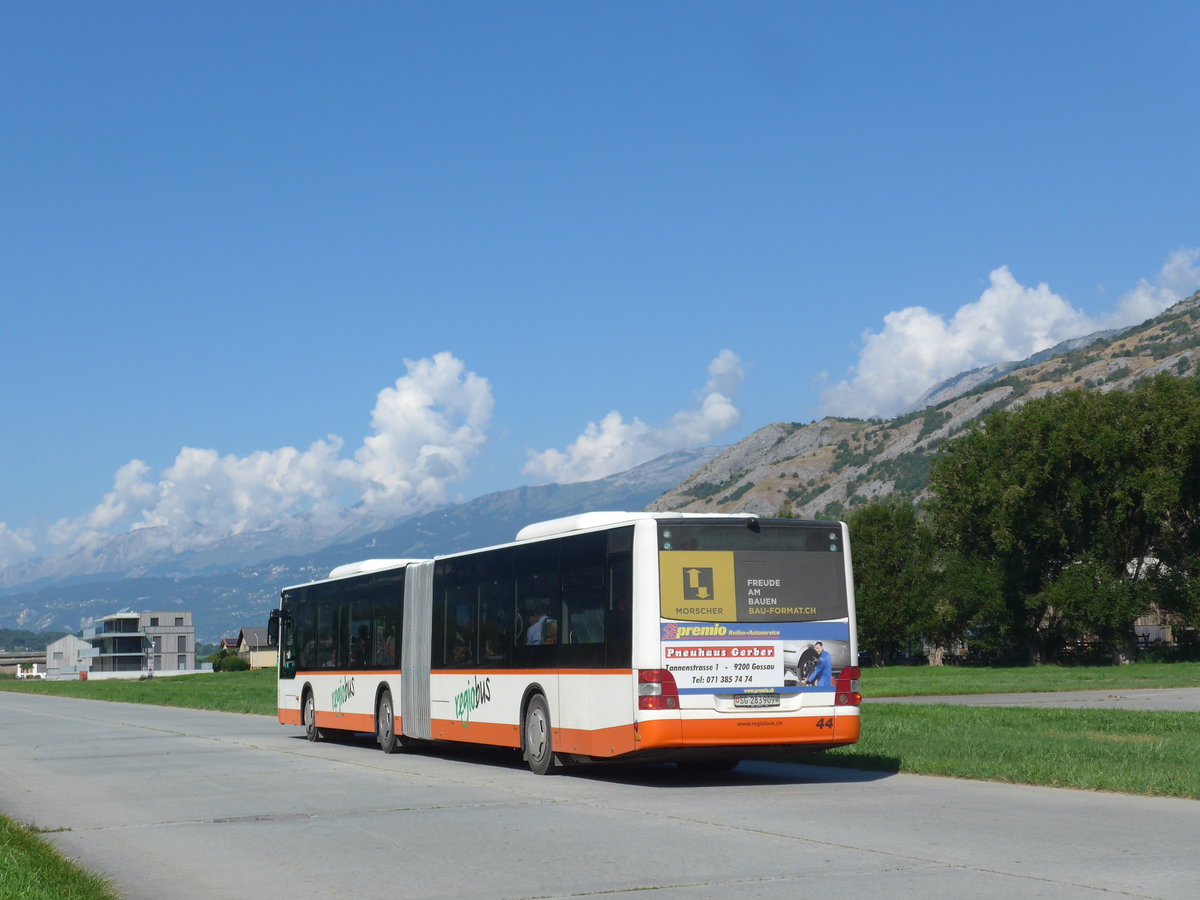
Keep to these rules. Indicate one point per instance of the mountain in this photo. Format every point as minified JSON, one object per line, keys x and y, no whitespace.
{"x":826,"y":467}
{"x":152,"y":551}
{"x":964,"y":381}
{"x":818,"y":469}
{"x":224,"y":598}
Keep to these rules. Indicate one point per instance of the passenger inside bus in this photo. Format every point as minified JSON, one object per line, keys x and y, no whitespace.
{"x":541,"y":628}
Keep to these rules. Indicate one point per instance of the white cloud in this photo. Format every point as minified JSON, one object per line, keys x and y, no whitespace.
{"x":917,"y":348}
{"x":615,"y":445}
{"x":425,"y":430}
{"x":1178,"y":278}
{"x":16,"y":545}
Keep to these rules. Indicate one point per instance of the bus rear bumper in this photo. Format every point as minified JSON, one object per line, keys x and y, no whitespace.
{"x":757,"y":731}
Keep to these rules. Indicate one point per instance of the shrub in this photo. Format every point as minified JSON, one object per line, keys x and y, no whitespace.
{"x":231,"y":663}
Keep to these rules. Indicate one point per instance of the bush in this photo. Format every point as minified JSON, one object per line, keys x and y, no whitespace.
{"x":233,"y":664}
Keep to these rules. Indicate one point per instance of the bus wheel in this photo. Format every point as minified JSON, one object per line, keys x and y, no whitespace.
{"x":385,"y":724}
{"x":311,"y":731}
{"x":539,"y":742}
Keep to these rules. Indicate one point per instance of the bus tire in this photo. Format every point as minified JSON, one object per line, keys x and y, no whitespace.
{"x":311,"y":731}
{"x":538,"y":739}
{"x":385,"y":724}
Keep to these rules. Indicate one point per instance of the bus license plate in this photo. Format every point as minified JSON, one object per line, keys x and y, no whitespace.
{"x":755,"y":699}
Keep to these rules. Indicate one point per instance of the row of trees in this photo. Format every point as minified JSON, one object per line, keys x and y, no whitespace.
{"x":1060,"y":522}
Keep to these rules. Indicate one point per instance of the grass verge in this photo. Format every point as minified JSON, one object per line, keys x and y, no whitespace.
{"x":1133,"y":752}
{"x":913,"y":681}
{"x":239,"y":692}
{"x":31,"y":869}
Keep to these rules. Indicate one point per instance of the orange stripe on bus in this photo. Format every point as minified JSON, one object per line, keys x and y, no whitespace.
{"x":746,"y":731}
{"x":601,"y":742}
{"x":289,"y":716}
{"x":346,"y":721}
{"x":493,"y":733}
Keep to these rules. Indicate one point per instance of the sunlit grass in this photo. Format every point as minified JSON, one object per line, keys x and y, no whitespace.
{"x":1135,"y":752}
{"x":910,"y":681}
{"x":240,"y":692}
{"x":31,"y":869}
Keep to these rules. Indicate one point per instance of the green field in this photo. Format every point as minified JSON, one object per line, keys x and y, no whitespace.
{"x":924,"y":681}
{"x":1128,"y":751}
{"x":238,"y":692}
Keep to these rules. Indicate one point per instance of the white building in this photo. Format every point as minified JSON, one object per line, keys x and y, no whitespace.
{"x":69,"y":659}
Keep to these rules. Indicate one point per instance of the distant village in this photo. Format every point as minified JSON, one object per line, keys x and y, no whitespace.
{"x":132,"y":645}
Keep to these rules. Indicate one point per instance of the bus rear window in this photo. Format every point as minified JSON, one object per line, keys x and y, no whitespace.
{"x":752,"y":572}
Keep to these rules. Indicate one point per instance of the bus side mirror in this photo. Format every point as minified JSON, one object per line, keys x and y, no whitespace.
{"x":273,"y":629}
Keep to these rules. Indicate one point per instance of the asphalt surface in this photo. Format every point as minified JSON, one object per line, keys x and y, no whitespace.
{"x":172,"y":802}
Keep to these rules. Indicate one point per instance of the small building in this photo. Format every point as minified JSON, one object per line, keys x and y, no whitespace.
{"x":253,"y":647}
{"x":30,"y":670}
{"x":13,"y":662}
{"x":69,"y":658}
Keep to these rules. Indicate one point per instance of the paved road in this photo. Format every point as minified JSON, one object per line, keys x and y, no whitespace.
{"x":171,"y":802}
{"x":1172,"y":699}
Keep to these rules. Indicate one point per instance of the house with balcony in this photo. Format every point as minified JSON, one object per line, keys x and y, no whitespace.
{"x":135,"y":643}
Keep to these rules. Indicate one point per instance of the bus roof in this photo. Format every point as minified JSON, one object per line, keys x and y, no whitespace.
{"x":585,"y":521}
{"x":362,"y":567}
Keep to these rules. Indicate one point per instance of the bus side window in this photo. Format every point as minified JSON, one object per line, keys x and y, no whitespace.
{"x":385,"y":608}
{"x":583,"y":558}
{"x":326,"y":627}
{"x":619,"y":626}
{"x":497,"y":610}
{"x":495,"y":621}
{"x":303,"y":614}
{"x":360,"y":628}
{"x":539,"y":603}
{"x":460,"y":626}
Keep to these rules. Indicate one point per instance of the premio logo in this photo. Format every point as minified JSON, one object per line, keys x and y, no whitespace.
{"x":673,"y":631}
{"x":466,"y":702}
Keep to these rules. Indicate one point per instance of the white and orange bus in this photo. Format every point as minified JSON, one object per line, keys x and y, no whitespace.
{"x":701,"y":639}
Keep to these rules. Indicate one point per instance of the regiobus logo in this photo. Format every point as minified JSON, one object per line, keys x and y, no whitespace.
{"x":466,"y":702}
{"x":342,"y":693}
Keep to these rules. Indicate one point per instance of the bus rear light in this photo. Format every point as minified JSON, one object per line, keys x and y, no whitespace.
{"x":657,"y":689}
{"x":846,"y":695}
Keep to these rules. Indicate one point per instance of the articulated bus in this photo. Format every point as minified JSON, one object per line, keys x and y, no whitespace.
{"x":693,"y":638}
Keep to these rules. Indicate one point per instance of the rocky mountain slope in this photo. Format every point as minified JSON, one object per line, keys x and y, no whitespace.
{"x":827,"y":467}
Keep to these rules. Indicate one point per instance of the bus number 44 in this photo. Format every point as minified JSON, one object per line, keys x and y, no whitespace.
{"x":824,"y":723}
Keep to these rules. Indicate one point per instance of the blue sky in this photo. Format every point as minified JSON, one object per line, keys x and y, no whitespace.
{"x":261,"y":258}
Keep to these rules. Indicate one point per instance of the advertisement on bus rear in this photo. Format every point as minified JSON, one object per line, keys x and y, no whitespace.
{"x":753,"y":622}
{"x":722,"y":657}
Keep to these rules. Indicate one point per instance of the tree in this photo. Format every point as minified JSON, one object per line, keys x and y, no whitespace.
{"x":1084,"y":503}
{"x":891,"y":577}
